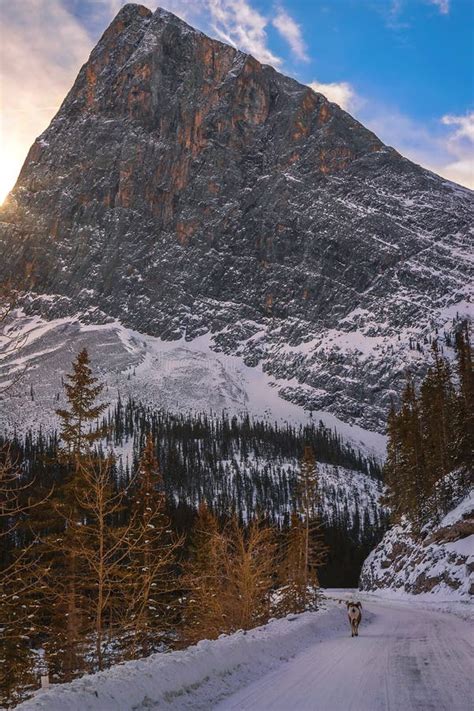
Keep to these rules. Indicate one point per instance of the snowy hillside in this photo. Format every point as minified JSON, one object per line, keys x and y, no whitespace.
{"x":440,"y":565}
{"x":179,"y":376}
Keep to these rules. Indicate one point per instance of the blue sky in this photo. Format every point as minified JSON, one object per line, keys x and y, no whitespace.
{"x":409,"y":54}
{"x":403,"y":67}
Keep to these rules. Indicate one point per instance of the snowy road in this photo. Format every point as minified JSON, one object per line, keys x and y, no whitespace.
{"x":405,"y":658}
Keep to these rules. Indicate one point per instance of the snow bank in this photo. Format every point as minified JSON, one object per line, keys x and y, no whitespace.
{"x":197,"y":677}
{"x":441,"y":565}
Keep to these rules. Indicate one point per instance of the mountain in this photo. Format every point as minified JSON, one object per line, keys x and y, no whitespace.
{"x":185,"y":189}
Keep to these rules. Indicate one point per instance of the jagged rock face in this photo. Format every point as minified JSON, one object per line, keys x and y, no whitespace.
{"x":183,"y":187}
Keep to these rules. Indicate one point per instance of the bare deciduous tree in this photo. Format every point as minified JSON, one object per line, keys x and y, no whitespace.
{"x":229,"y":579}
{"x":21,"y":581}
{"x":152,"y":550}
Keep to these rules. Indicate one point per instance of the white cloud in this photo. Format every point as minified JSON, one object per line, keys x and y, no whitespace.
{"x":105,"y":10}
{"x":396,"y":9}
{"x":238,"y":23}
{"x":465,"y":126}
{"x":442,"y":5}
{"x":187,"y":11}
{"x":448,"y":152}
{"x":392,"y":15}
{"x":42,"y":49}
{"x":460,"y":145}
{"x":460,"y":171}
{"x":291,"y":32}
{"x":341,"y":93}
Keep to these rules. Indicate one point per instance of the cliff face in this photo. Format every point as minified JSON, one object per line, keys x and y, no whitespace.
{"x":184,"y":187}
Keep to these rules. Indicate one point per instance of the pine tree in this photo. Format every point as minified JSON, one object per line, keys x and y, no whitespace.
{"x":69,"y":616}
{"x":395,"y":478}
{"x":464,"y":445}
{"x":82,"y":393}
{"x":314,"y":550}
{"x":393,"y":472}
{"x":20,"y":592}
{"x":429,"y":437}
{"x":438,"y":408}
{"x":21,"y":582}
{"x":414,"y":484}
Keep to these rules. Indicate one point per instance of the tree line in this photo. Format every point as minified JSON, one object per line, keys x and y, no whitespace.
{"x":431,"y":438}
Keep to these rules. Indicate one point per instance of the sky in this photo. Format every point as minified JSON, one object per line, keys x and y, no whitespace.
{"x":404,"y":68}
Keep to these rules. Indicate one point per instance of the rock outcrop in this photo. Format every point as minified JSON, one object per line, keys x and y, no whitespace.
{"x":183,"y":187}
{"x":441,"y":563}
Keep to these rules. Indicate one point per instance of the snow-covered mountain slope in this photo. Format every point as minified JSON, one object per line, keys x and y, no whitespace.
{"x":178,"y":376}
{"x":440,"y":565}
{"x":182,"y":377}
{"x":404,"y":658}
{"x":185,"y":189}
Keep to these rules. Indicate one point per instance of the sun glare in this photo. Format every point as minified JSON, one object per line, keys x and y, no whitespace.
{"x":10,"y":167}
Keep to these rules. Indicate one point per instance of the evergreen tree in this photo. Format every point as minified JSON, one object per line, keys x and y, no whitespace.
{"x":69,"y":610}
{"x":306,"y":536}
{"x":82,"y":392}
{"x":413,"y":485}
{"x":438,"y":408}
{"x":20,"y":584}
{"x":465,"y":402}
{"x":429,"y":437}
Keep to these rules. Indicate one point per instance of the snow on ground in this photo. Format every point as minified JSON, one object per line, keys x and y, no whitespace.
{"x":440,"y":566}
{"x":436,"y":602}
{"x":464,"y":508}
{"x":176,"y":375}
{"x":406,"y":657}
{"x":197,"y":677}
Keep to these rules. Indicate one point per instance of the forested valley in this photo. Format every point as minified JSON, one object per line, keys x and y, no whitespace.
{"x":131,"y":530}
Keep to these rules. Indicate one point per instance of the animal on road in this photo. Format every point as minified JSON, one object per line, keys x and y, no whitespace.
{"x":354,"y":612}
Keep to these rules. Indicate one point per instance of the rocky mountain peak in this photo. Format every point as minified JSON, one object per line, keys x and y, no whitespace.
{"x":185,"y":188}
